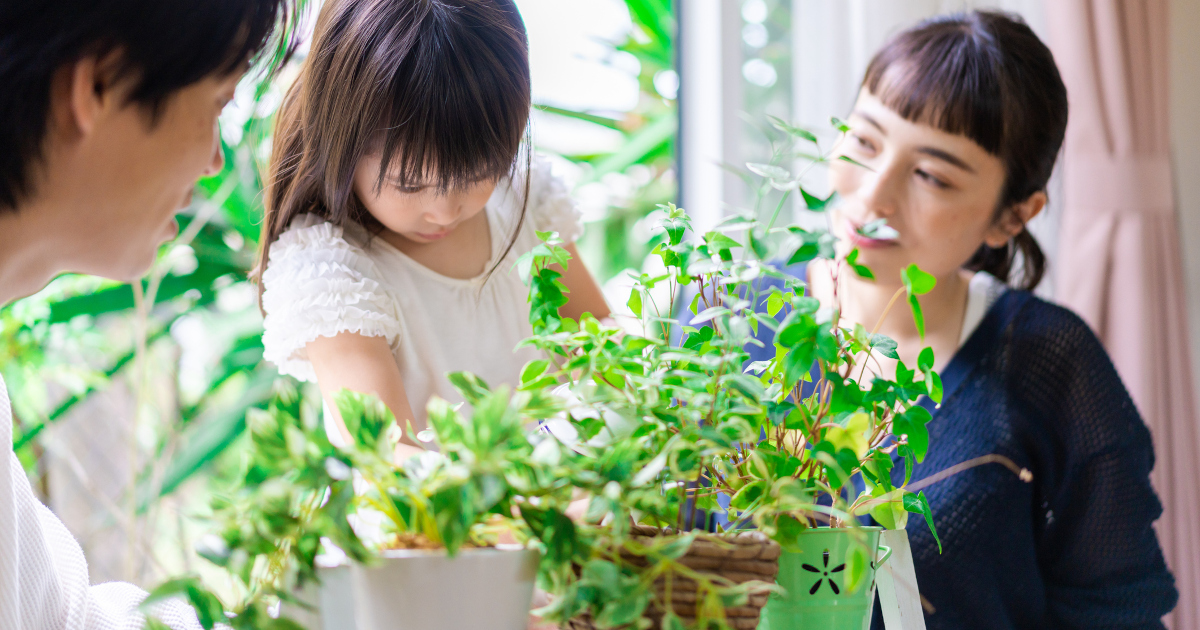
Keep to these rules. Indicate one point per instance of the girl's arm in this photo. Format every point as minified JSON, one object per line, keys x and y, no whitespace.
{"x":585,"y":295}
{"x":366,"y":365}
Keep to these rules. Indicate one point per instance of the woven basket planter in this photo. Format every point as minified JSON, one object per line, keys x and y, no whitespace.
{"x":739,"y":558}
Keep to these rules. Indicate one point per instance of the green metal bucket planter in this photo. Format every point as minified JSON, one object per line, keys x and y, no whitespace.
{"x":814,"y":578}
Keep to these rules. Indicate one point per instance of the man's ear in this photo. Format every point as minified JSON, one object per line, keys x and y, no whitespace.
{"x":92,"y":90}
{"x":84,"y":96}
{"x":1012,"y":220}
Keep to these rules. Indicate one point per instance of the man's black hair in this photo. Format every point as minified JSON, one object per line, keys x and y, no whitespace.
{"x":163,"y":46}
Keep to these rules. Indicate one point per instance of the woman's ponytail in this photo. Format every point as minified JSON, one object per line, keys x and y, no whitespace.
{"x":1001,"y":262}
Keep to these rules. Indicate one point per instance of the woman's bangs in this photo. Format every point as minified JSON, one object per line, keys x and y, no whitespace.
{"x":939,"y":81}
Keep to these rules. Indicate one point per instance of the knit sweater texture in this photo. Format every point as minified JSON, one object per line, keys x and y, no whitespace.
{"x":1075,"y":547}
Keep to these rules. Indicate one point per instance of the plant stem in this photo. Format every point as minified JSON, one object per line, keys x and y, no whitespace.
{"x":779,"y":207}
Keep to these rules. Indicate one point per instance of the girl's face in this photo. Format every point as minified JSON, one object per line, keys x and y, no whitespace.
{"x":420,"y":214}
{"x":938,"y":190}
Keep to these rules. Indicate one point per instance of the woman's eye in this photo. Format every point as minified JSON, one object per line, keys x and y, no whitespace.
{"x":862,"y":143}
{"x":409,"y":190}
{"x":931,"y":179}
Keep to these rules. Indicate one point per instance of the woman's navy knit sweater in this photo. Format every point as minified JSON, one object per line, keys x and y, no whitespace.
{"x":1072,"y":549}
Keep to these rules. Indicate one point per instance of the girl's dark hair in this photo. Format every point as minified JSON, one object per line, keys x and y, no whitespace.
{"x":164,"y":47}
{"x":987,"y":76}
{"x":441,"y":87}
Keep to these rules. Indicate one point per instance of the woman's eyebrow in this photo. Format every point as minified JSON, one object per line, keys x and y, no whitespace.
{"x":870,"y":119}
{"x":946,"y":157}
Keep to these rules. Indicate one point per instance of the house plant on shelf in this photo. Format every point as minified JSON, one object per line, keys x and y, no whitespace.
{"x":680,"y":430}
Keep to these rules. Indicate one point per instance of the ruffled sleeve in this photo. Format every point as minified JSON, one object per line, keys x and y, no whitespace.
{"x":550,"y":203}
{"x":318,"y":284}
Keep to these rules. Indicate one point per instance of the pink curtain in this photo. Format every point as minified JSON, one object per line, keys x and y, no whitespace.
{"x":1119,"y":263}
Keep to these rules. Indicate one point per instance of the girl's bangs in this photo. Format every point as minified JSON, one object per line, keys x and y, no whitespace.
{"x":458,"y":105}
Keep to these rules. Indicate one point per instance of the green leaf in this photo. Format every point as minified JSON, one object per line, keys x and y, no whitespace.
{"x":472,"y":388}
{"x":911,"y":423}
{"x":891,"y":514}
{"x":857,"y":563}
{"x":533,"y":370}
{"x":774,"y":303}
{"x":792,"y":130}
{"x":814,"y":203}
{"x":919,"y":504}
{"x":846,"y":158}
{"x":917,"y":282}
{"x":933,"y":384}
{"x":861,"y":270}
{"x":839,"y":124}
{"x":635,"y":302}
{"x":918,"y":315}
{"x":885,"y":345}
{"x":769,"y":171}
{"x":925,"y":359}
{"x":788,"y":531}
{"x":878,"y":230}
{"x":603,"y":121}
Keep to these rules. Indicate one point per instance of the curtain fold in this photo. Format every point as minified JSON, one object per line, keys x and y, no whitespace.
{"x":1119,"y":262}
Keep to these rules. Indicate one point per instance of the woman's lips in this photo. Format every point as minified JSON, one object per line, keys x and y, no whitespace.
{"x":860,"y":241}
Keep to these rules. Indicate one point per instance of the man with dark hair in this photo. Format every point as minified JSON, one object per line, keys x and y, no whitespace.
{"x":108,"y":113}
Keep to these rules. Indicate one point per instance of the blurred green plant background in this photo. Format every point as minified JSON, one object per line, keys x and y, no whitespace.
{"x":130,"y":400}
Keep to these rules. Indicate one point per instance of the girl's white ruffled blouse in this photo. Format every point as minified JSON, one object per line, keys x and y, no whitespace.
{"x":322,"y":279}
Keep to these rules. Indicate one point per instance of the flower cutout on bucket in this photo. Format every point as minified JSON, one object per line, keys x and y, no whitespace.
{"x":824,"y":575}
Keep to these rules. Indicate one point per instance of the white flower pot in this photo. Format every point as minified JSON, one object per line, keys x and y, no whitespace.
{"x":480,"y":589}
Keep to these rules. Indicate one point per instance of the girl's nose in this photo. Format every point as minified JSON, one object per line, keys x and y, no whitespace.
{"x":218,"y":156}
{"x":446,"y":210}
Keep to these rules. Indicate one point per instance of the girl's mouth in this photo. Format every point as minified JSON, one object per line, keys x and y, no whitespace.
{"x":873,"y":235}
{"x":435,"y":236}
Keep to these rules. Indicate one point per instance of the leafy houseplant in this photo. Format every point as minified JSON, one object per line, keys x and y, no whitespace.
{"x":425,"y":524}
{"x":675,"y":432}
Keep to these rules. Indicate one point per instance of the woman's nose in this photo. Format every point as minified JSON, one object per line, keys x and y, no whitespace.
{"x":879,"y":190}
{"x":218,"y":156}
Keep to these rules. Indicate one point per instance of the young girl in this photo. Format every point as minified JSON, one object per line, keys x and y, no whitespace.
{"x":399,"y":198}
{"x":959,"y":122}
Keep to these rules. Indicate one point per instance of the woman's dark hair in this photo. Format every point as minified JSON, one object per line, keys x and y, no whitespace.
{"x":987,"y":76}
{"x":441,"y":87}
{"x":164,"y":47}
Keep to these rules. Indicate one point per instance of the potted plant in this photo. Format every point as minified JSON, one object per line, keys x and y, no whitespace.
{"x":677,"y":430}
{"x":410,"y":546}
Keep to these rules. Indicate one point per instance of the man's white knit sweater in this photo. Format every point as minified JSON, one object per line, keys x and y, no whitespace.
{"x":43,"y":576}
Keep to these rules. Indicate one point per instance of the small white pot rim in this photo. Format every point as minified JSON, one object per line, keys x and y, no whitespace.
{"x":474,"y":551}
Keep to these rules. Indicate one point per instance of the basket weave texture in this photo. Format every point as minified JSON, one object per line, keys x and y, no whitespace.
{"x":739,"y":558}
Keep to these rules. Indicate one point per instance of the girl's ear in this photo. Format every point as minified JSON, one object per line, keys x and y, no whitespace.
{"x":1012,"y":220}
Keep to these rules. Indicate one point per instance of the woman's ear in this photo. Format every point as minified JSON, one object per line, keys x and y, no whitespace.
{"x":1012,"y":220}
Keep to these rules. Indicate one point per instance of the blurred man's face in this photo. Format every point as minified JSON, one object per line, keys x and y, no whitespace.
{"x":132,"y":174}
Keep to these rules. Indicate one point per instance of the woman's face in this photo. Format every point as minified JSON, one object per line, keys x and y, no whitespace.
{"x":420,"y":214}
{"x":938,"y":190}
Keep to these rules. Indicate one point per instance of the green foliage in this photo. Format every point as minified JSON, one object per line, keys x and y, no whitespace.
{"x":663,"y":423}
{"x":645,"y":160}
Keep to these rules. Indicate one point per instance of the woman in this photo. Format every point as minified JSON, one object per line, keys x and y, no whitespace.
{"x":958,"y":124}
